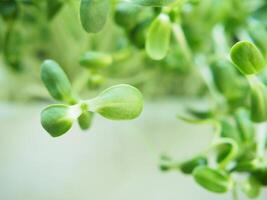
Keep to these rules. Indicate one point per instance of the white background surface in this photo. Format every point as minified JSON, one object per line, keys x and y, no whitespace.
{"x":112,"y":161}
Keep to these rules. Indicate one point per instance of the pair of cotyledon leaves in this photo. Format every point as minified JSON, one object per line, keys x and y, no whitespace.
{"x":120,"y":102}
{"x":94,"y":13}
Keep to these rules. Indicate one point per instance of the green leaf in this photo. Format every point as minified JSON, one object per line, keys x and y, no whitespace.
{"x":85,"y":120}
{"x":158,"y":37}
{"x":95,"y":60}
{"x":246,"y":165}
{"x":126,"y":15}
{"x":258,"y":101}
{"x":188,"y":166}
{"x":152,"y":2}
{"x":57,"y":82}
{"x":120,"y":102}
{"x":251,"y":187}
{"x":137,"y":35}
{"x":261,"y":176}
{"x":9,"y":9}
{"x":93,"y":14}
{"x":53,"y":7}
{"x":56,"y":119}
{"x":13,"y":49}
{"x":214,"y":180}
{"x":247,"y":58}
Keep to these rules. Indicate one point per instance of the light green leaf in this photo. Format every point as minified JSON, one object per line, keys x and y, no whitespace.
{"x":56,"y":119}
{"x":247,"y":58}
{"x":188,"y":166}
{"x":57,"y":82}
{"x":93,"y":14}
{"x":258,"y":101}
{"x":93,"y":59}
{"x":251,"y":187}
{"x":85,"y":120}
{"x":120,"y":102}
{"x":214,"y":180}
{"x":152,"y":2}
{"x":158,"y":37}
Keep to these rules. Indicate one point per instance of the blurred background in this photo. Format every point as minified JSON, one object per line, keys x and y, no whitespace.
{"x":113,"y":160}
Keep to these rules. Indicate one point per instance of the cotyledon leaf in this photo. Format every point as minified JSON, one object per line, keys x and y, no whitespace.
{"x":158,"y":37}
{"x":93,"y":14}
{"x":152,"y":2}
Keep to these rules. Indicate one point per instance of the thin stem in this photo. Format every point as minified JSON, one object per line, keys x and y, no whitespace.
{"x":261,"y":138}
{"x":220,"y":43}
{"x":181,"y":39}
{"x":199,"y":61}
{"x":81,"y":81}
{"x":235,"y":192}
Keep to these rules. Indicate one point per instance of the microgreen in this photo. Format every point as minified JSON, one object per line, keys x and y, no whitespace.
{"x":120,"y":102}
{"x":211,"y":51}
{"x":158,"y":37}
{"x":93,"y":14}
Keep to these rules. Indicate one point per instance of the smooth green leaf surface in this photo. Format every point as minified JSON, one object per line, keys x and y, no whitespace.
{"x":213,"y":180}
{"x":158,"y":37}
{"x":85,"y":120}
{"x":120,"y":102}
{"x":57,"y":82}
{"x":188,"y":166}
{"x":258,"y":102}
{"x":56,"y":120}
{"x":94,"y":60}
{"x":152,"y":2}
{"x":251,"y":187}
{"x":53,"y":7}
{"x":126,"y":15}
{"x":247,"y":58}
{"x":93,"y":14}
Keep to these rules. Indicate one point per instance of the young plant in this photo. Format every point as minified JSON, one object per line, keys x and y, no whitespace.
{"x":120,"y":102}
{"x":184,"y":44}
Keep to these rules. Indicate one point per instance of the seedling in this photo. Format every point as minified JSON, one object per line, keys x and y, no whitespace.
{"x":120,"y":102}
{"x":164,"y":47}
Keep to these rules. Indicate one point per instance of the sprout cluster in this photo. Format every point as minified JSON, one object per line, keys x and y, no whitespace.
{"x":214,"y":51}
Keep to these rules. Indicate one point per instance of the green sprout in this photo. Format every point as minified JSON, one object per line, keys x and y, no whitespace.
{"x":120,"y":102}
{"x":211,"y":53}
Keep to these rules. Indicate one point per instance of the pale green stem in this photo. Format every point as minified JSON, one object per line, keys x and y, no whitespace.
{"x":261,"y":138}
{"x":180,"y":37}
{"x":199,"y":61}
{"x":235,"y":192}
{"x":81,"y":81}
{"x":221,"y":47}
{"x":231,"y":155}
{"x":261,"y":127}
{"x":205,"y":72}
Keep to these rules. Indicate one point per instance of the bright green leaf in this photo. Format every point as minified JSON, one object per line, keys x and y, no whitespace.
{"x":95,"y":60}
{"x":247,"y":58}
{"x":120,"y":102}
{"x":158,"y":37}
{"x":56,"y":119}
{"x":56,"y":82}
{"x":188,"y":166}
{"x":213,"y":180}
{"x":152,"y":2}
{"x":93,"y":14}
